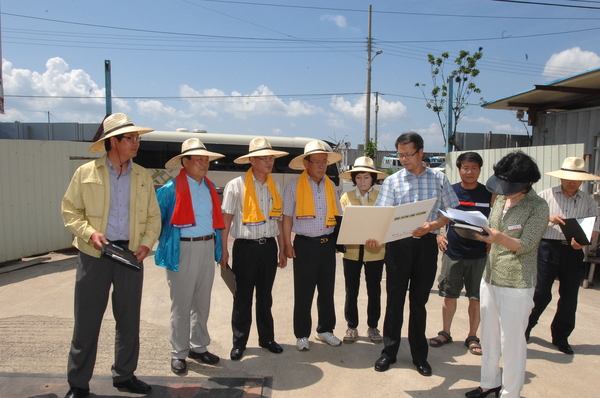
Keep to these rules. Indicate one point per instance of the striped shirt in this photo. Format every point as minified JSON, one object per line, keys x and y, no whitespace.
{"x":117,"y":226}
{"x":233,"y":200}
{"x":309,"y":226}
{"x":404,"y":187}
{"x":580,"y":205}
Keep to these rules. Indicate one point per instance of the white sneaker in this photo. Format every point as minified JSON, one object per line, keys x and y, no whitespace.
{"x":374,"y":335}
{"x":329,"y":338}
{"x":302,"y":344}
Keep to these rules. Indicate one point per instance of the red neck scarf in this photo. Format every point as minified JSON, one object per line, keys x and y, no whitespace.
{"x":183,"y":214}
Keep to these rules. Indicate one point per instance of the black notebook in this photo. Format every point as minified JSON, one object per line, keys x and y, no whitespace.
{"x":122,"y":256}
{"x":468,"y":231}
{"x":574,"y":228}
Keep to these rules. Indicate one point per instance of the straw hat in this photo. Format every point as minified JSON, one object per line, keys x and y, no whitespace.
{"x":314,"y":147}
{"x":573,"y":169}
{"x":259,"y":147}
{"x":190,"y":147}
{"x":363,"y":164}
{"x":116,"y":124}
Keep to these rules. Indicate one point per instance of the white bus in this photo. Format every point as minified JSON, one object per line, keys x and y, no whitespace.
{"x":157,"y":147}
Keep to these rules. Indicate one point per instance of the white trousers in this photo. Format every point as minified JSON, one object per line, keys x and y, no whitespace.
{"x":504,"y":316}
{"x":191,"y":288}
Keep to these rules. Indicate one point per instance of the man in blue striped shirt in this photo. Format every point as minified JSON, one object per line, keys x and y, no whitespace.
{"x":412,"y":260}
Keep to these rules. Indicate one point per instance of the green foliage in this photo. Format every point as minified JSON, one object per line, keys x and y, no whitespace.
{"x":463,"y":76}
{"x":370,"y":150}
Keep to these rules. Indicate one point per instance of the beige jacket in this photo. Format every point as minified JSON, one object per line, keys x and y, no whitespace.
{"x":352,"y":251}
{"x":86,"y":203}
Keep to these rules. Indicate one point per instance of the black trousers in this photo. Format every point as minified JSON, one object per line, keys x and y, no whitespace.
{"x":411,"y":265}
{"x":254,"y":265}
{"x":556,"y":260}
{"x":314,"y":267}
{"x":94,"y":279}
{"x":373,"y":272}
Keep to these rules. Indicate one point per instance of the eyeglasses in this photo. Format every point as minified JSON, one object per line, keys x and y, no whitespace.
{"x":135,"y":138}
{"x":407,"y":155}
{"x":265,"y":158}
{"x":318,"y":162}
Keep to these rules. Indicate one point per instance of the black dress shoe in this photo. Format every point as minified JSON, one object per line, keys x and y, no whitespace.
{"x":76,"y":392}
{"x":178,"y":365}
{"x":206,"y":357}
{"x":383,"y":363}
{"x":133,"y":385}
{"x":237,"y":353}
{"x":479,"y":393}
{"x":565,"y":348}
{"x":423,"y":368}
{"x":273,"y":347}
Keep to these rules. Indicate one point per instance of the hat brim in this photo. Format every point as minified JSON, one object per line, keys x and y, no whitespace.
{"x":502,"y":187}
{"x":175,"y":162}
{"x":264,"y":152}
{"x":573,"y":175}
{"x":298,"y":162}
{"x":98,"y":146}
{"x":360,"y":169}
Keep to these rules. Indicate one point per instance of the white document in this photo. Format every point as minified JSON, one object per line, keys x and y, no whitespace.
{"x":382,"y":223}
{"x":475,"y":218}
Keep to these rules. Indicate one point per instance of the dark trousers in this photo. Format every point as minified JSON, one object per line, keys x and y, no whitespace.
{"x":314,"y":267}
{"x":411,"y":265}
{"x":556,"y":260}
{"x":94,"y":279}
{"x":254,"y":265}
{"x":373,"y":272}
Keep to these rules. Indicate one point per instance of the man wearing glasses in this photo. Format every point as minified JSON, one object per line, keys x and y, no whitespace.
{"x":412,"y":262}
{"x":253,"y":204}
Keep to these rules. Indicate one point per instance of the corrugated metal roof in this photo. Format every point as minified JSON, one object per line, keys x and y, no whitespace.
{"x":573,"y":92}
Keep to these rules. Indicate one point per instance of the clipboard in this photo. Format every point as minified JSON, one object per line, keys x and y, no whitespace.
{"x":229,"y":278}
{"x":121,"y":256}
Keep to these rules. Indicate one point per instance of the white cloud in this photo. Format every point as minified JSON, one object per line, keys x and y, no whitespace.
{"x":493,"y":126}
{"x":569,"y":62}
{"x":387,"y":110}
{"x":339,"y":20}
{"x":277,"y":131}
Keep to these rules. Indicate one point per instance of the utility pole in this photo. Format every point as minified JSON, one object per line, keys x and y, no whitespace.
{"x":108,"y":87}
{"x":376,"y":112}
{"x":450,"y":103}
{"x":368,"y":104}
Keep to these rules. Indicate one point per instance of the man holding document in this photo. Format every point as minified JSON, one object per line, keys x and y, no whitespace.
{"x":559,"y":258}
{"x":412,"y":260}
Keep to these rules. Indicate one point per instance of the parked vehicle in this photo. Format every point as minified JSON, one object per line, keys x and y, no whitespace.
{"x":391,"y":163}
{"x":157,"y":147}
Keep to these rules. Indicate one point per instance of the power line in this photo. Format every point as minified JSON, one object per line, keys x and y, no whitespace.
{"x":548,"y":4}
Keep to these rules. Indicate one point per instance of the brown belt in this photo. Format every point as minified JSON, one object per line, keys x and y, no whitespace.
{"x":207,"y":237}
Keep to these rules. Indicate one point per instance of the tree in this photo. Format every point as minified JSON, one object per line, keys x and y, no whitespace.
{"x":464,"y":85}
{"x":370,"y":150}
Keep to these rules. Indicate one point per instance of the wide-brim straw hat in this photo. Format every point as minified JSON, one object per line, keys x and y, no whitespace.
{"x":499,"y":186}
{"x":190,"y":147}
{"x":259,"y":147}
{"x":314,"y":147}
{"x":116,"y":124}
{"x":573,"y":168}
{"x":364,"y":164}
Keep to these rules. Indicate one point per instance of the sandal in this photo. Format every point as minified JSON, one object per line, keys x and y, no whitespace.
{"x":437,"y":342}
{"x":473,"y":347}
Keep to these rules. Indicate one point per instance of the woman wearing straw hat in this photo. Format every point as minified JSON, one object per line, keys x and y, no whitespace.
{"x":558,"y":258}
{"x":363,"y":175}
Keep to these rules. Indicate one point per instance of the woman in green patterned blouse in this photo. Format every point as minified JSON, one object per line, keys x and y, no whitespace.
{"x":518,"y":220}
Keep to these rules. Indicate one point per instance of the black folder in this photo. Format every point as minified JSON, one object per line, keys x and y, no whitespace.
{"x":572,"y":229}
{"x":468,"y":231}
{"x":229,"y":278}
{"x":121,"y":256}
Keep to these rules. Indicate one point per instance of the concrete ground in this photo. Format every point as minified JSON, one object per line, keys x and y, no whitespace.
{"x":36,"y":319}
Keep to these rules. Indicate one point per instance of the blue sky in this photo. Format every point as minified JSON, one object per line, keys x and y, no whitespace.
{"x":289,"y":68}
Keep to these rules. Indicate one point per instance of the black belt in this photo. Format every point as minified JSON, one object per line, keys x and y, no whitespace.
{"x":260,"y":241}
{"x":557,"y":241}
{"x":207,"y":237}
{"x":318,"y":239}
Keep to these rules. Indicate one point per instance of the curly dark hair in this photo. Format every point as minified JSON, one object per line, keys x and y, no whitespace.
{"x":517,"y":167}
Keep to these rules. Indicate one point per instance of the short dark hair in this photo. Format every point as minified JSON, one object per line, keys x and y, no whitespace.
{"x":355,"y":173}
{"x":469,"y":157}
{"x":107,"y":145}
{"x":427,"y":159}
{"x":407,"y":138}
{"x":517,"y":167}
